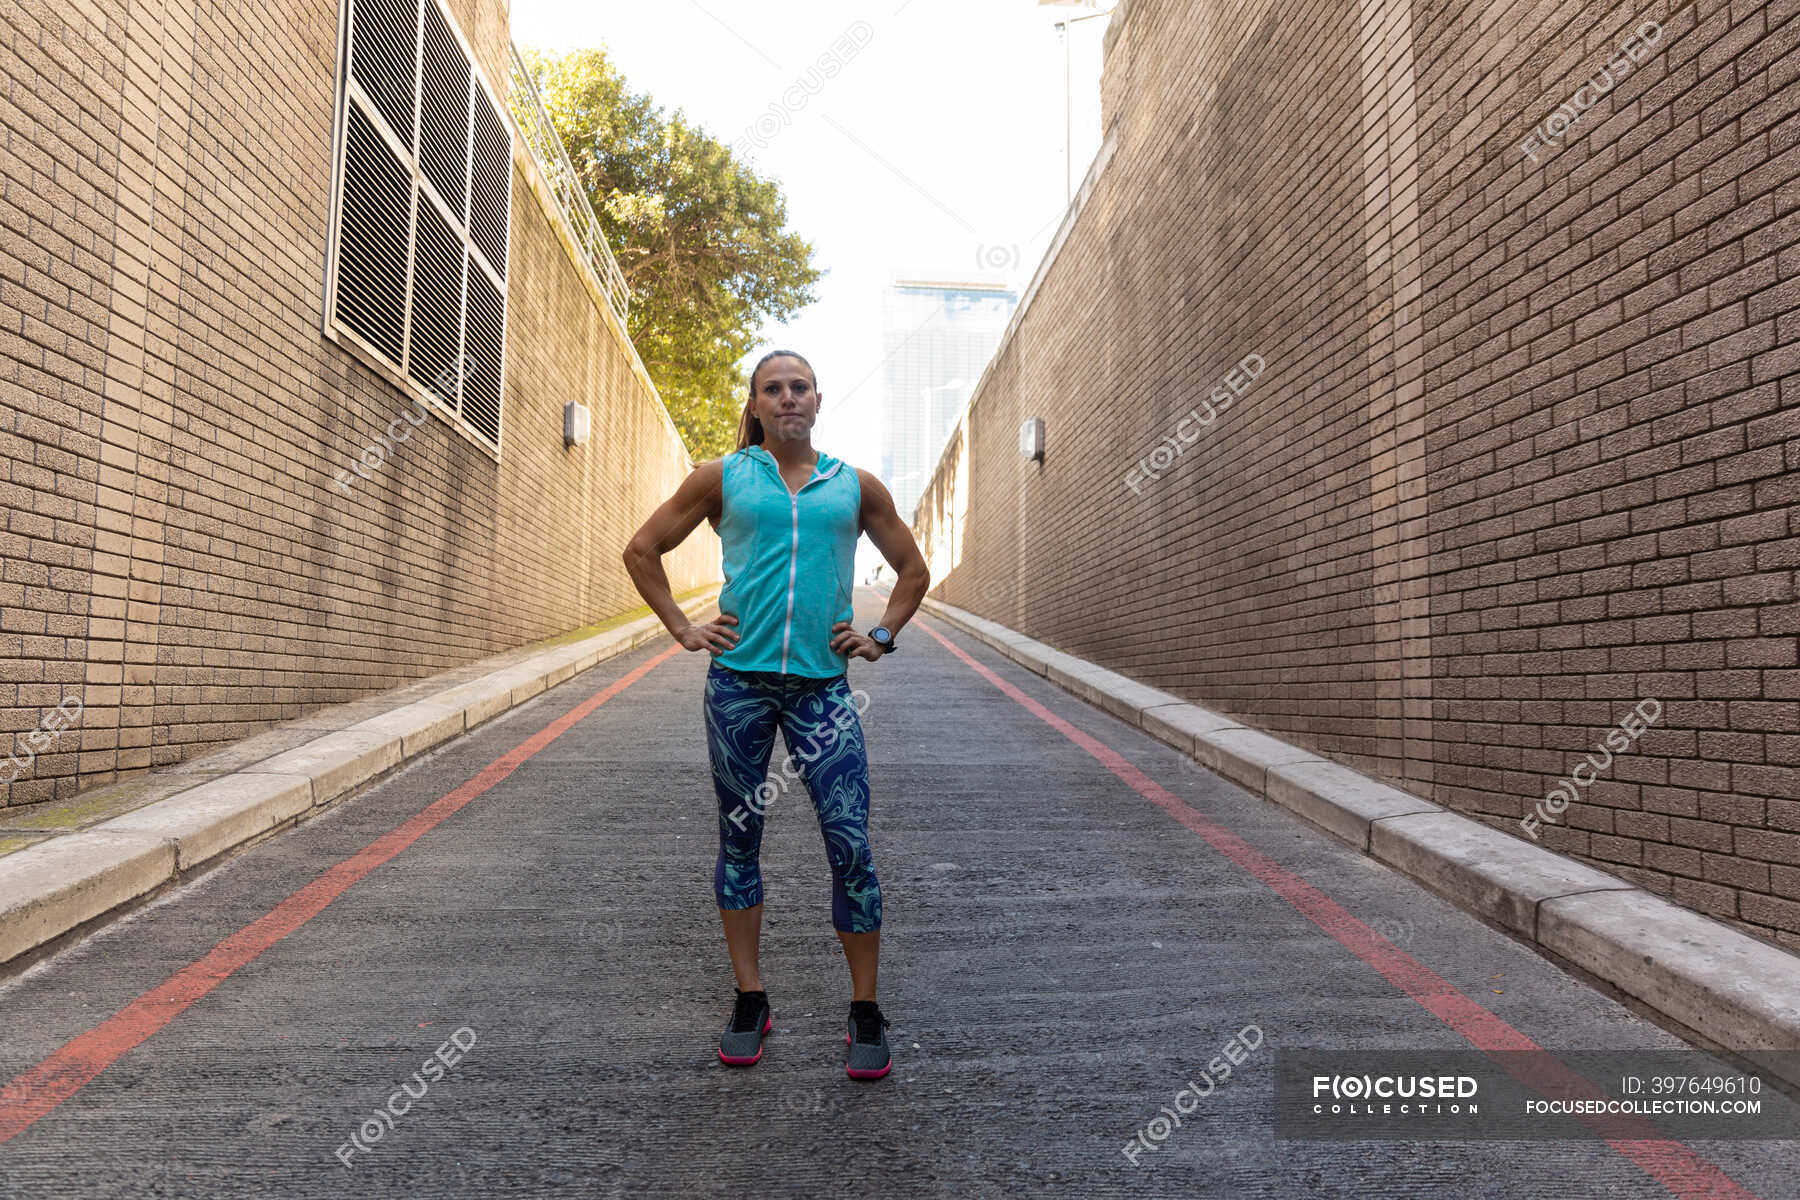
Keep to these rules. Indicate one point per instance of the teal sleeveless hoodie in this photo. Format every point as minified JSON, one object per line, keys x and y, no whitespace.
{"x":789,"y":562}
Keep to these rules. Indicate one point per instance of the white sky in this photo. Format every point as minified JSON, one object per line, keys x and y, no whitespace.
{"x":935,"y":150}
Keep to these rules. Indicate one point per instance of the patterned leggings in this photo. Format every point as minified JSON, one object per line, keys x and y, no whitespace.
{"x":819,"y":722}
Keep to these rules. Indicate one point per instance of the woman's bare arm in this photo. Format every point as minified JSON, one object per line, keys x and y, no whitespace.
{"x":696,"y":500}
{"x":894,"y":539}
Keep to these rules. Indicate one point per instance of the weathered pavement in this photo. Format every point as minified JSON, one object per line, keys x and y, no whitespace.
{"x":1060,"y":957}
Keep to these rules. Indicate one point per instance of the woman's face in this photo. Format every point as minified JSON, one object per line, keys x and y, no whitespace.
{"x":786,"y":402}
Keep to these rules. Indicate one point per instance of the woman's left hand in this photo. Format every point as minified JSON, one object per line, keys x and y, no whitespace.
{"x":845,"y":640}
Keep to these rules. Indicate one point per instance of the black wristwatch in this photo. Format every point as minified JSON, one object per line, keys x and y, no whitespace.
{"x":883,"y":638}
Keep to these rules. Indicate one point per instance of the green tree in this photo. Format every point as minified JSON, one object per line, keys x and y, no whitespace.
{"x":700,"y":237}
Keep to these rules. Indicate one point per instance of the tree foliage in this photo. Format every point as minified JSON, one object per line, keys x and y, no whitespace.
{"x":702,"y":239}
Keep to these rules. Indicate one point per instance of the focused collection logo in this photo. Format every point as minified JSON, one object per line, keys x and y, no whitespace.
{"x":1394,"y":1095}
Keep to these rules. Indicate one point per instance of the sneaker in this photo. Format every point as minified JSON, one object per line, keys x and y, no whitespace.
{"x":741,"y":1043}
{"x":868,"y":1056}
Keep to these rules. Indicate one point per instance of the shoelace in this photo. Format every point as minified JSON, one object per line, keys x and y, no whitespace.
{"x":869,"y":1026}
{"x":747,"y":1016}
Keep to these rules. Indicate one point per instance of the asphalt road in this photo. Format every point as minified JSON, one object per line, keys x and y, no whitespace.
{"x":1062,"y":955}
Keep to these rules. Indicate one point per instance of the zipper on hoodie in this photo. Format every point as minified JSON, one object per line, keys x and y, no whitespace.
{"x":787,"y":628}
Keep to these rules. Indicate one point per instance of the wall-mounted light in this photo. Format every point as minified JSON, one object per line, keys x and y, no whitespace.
{"x":1031,"y":438}
{"x":576,"y":423}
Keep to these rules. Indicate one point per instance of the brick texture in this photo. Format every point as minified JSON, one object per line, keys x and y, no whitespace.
{"x":1526,"y":449}
{"x":176,"y":551}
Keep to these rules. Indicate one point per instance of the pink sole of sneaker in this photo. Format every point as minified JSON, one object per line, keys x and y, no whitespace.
{"x":728,"y":1060}
{"x":853,"y":1073}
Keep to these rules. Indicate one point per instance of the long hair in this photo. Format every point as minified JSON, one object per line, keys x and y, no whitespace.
{"x":750,"y":430}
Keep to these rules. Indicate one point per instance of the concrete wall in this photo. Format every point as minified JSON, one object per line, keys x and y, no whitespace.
{"x":172,"y":419}
{"x":1526,"y":448}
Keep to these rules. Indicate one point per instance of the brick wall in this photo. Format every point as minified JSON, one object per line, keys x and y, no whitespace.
{"x":176,"y":551}
{"x":1525,"y":450}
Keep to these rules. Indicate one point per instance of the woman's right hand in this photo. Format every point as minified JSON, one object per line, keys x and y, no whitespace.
{"x":715,"y":635}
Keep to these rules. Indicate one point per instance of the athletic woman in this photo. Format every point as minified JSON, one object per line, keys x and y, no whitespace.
{"x":788,"y":519}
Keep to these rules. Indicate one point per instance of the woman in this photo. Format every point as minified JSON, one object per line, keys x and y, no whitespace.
{"x":788,"y":518}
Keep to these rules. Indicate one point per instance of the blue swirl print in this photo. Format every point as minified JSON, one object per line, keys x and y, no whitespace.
{"x":822,"y":732}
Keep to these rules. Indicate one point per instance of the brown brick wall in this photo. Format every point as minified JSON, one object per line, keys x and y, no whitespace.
{"x":1526,"y":450}
{"x":176,"y":551}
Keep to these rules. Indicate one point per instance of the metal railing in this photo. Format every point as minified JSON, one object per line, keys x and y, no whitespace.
{"x":547,"y":148}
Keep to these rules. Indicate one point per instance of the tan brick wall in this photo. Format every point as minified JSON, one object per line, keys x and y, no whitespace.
{"x":1527,"y":446}
{"x":172,"y":418}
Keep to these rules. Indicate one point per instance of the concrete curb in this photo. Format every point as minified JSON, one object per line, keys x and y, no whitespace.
{"x":71,"y":879}
{"x":1733,"y":990}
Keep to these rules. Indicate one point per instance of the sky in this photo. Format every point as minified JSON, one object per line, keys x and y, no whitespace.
{"x":929,"y":144}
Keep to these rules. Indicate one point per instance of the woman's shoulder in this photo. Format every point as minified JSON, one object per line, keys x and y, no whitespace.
{"x":722,"y":463}
{"x":724,"y":474}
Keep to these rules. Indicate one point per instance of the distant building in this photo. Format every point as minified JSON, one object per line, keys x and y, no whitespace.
{"x":938,"y":336}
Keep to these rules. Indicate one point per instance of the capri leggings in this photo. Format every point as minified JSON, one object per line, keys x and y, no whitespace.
{"x":819,"y":722}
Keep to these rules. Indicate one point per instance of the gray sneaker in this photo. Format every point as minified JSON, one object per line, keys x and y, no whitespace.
{"x":741,"y":1043}
{"x":867,"y":1056}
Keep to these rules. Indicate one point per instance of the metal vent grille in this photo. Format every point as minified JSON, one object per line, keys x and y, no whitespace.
{"x":371,"y":284}
{"x":436,"y":307}
{"x":419,"y":271}
{"x":490,"y":162}
{"x":486,"y":350}
{"x":381,"y":59}
{"x":444,"y":115}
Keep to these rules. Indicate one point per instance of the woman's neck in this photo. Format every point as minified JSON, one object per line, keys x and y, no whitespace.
{"x":791,"y":453}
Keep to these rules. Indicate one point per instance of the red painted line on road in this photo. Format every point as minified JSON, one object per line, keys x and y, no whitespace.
{"x":40,"y":1089}
{"x":1670,"y":1162}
